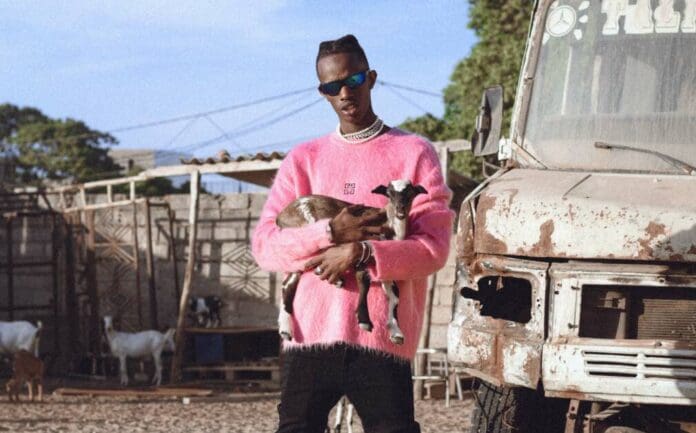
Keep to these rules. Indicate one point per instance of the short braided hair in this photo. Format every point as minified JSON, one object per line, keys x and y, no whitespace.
{"x":345,"y":44}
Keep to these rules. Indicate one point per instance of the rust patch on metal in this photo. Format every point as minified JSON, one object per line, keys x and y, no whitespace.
{"x":532,"y":366}
{"x":486,"y":241}
{"x":544,"y":247}
{"x":692,"y":250}
{"x":652,"y":231}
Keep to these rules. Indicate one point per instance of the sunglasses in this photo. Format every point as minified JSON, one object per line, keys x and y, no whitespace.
{"x":333,"y":88}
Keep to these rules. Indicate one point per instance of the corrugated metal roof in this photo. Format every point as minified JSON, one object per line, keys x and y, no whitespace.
{"x":223,"y":156}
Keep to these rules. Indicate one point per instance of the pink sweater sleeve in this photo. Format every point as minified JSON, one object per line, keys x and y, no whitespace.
{"x":287,"y":249}
{"x":427,"y":243}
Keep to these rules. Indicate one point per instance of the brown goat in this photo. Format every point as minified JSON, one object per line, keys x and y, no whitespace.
{"x":311,"y":208}
{"x":26,"y":369}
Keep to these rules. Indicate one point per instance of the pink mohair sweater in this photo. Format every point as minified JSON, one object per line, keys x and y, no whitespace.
{"x":322,"y":313}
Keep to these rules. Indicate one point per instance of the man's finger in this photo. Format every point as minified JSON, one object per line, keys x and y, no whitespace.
{"x":372,"y":230}
{"x":374,"y":218}
{"x":313,"y":263}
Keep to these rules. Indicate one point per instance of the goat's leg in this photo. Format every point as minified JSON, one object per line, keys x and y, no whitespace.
{"x":39,"y":389}
{"x":157,"y":358}
{"x":392,"y":292}
{"x":349,"y":417}
{"x":123,"y":370}
{"x":363,"y":278}
{"x":30,"y":385}
{"x":285,"y":315}
{"x":339,"y":415}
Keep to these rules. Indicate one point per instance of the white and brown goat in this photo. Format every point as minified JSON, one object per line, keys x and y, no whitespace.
{"x":311,"y":208}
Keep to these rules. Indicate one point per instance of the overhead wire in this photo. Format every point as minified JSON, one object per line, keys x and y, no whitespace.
{"x":178,"y":134}
{"x":410,"y":89}
{"x":408,"y":100}
{"x":228,"y":135}
{"x":244,"y":129}
{"x":144,"y":155}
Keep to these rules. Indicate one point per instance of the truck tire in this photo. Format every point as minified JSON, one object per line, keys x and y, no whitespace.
{"x":500,"y":409}
{"x":618,"y":429}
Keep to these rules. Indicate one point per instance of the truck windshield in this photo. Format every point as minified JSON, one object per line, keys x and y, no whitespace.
{"x":620,"y":72}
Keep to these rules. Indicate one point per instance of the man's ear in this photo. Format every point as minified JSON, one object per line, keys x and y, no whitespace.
{"x":373,"y":78}
{"x":380,"y":190}
{"x":420,"y":190}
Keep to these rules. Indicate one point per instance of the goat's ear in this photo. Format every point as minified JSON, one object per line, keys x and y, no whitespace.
{"x":380,"y":190}
{"x":420,"y":190}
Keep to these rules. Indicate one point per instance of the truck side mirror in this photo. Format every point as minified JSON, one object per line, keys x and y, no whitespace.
{"x":488,"y":122}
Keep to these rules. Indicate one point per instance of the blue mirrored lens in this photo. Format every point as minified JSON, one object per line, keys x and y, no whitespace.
{"x":355,"y":80}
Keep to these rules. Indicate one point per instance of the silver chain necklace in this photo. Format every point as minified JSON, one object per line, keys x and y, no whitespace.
{"x":363,"y":135}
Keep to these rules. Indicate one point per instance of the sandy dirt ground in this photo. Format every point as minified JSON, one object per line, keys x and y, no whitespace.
{"x":221,"y":412}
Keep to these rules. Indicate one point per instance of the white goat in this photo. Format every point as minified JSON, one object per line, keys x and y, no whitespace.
{"x":19,"y":335}
{"x":138,"y":345}
{"x":311,"y":208}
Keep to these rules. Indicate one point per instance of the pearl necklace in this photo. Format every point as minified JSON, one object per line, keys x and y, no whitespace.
{"x":363,"y":135}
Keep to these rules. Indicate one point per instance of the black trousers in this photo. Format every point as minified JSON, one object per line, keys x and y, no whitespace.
{"x":379,"y":387}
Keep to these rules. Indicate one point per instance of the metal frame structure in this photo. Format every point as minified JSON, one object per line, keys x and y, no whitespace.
{"x":258,"y":170}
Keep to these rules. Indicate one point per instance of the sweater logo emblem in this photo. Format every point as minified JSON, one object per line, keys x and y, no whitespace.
{"x":349,"y":189}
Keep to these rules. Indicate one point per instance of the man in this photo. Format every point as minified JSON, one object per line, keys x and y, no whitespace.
{"x":330,"y":356}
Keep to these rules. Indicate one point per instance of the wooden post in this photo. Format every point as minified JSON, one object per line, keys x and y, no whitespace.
{"x":188,"y":277}
{"x":54,"y":271}
{"x":70,"y":289}
{"x":150,"y":268}
{"x":136,"y":265}
{"x":92,"y":289}
{"x":10,"y":270}
{"x":172,"y":245}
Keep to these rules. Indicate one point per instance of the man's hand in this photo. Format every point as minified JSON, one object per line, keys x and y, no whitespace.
{"x":331,"y":264}
{"x":358,"y":223}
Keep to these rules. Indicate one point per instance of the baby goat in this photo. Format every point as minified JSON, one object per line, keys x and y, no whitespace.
{"x":27,"y":368}
{"x":311,"y":208}
{"x":205,"y":310}
{"x":138,"y":345}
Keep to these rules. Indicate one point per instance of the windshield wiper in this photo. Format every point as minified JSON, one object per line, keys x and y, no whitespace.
{"x":674,"y":162}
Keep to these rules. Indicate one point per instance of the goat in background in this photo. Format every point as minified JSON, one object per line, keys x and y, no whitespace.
{"x":137,"y":345}
{"x":19,"y":335}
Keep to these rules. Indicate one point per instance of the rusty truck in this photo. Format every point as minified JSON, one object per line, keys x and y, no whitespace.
{"x":575,"y":302}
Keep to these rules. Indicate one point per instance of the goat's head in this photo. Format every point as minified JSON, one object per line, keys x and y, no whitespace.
{"x":108,"y":324}
{"x":400,"y":194}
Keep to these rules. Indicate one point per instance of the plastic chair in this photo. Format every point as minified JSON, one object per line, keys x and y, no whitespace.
{"x":436,"y":368}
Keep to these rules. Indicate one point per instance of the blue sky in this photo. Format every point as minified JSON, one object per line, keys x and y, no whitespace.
{"x":115,"y":64}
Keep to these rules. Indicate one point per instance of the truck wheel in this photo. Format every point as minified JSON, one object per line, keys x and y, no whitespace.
{"x":500,"y":409}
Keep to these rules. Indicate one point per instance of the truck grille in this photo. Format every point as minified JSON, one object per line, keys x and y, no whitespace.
{"x":631,"y":312}
{"x":635,"y":363}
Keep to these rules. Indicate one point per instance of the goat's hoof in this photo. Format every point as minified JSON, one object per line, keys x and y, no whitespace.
{"x":366,"y":326}
{"x":286,"y":336}
{"x":397,"y":339}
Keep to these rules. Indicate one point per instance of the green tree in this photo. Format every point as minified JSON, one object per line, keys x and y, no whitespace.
{"x":43,"y":149}
{"x":501,"y":27}
{"x":427,"y":125}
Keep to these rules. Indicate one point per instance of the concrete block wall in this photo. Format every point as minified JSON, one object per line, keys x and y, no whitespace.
{"x":441,"y":313}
